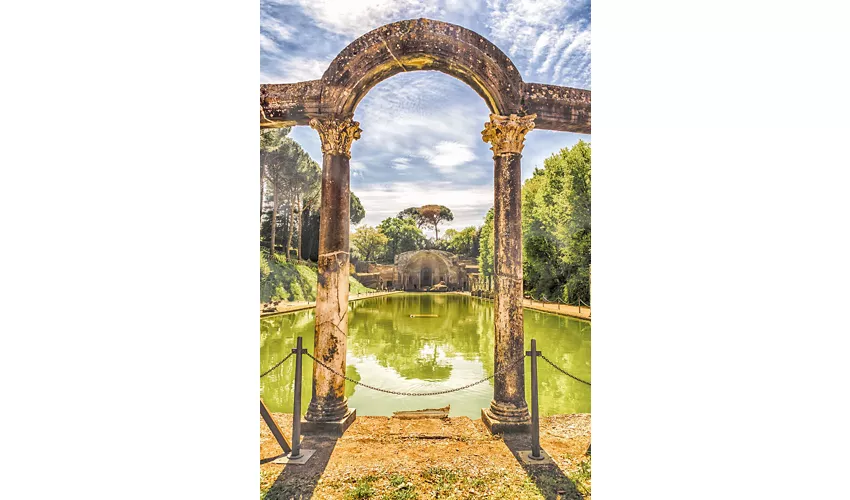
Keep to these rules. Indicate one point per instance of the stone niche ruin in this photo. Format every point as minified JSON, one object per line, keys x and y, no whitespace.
{"x":420,"y":270}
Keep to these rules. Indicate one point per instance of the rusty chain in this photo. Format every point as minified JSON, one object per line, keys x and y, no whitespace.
{"x":562,"y":370}
{"x":402,"y":393}
{"x":276,"y":365}
{"x":435,"y":393}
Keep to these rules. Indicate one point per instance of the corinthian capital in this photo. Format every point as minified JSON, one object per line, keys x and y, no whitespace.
{"x":506,"y":134}
{"x":337,"y":134}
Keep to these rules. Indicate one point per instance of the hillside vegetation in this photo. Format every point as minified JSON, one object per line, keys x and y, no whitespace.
{"x":293,"y":281}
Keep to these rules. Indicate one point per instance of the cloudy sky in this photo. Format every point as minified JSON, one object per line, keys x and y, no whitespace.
{"x":421,"y":140}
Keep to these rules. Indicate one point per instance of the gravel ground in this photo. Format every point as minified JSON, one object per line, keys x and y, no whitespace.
{"x":389,"y":458}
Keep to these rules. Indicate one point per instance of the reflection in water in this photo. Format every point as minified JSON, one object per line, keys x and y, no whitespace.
{"x":389,"y":349}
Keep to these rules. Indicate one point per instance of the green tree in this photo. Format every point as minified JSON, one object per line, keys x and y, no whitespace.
{"x":355,"y":209}
{"x":307,"y":192}
{"x":403,"y":236}
{"x":275,"y":169}
{"x":463,"y":242}
{"x":311,"y":221}
{"x":292,"y":175}
{"x":412,"y":214}
{"x":433,"y":215}
{"x":270,"y":140}
{"x":486,"y":244}
{"x":556,"y":226}
{"x":368,"y":242}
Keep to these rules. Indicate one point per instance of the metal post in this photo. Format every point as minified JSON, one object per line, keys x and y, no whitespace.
{"x":278,"y":435}
{"x":535,"y":411}
{"x":296,"y":405}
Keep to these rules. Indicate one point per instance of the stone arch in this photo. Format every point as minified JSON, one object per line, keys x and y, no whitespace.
{"x":421,"y":44}
{"x":328,"y":106}
{"x":442,"y":266}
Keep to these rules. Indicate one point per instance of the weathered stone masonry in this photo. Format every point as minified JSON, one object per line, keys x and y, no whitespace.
{"x":328,"y":401}
{"x":506,"y":134}
{"x":517,"y":107}
{"x":424,"y":44}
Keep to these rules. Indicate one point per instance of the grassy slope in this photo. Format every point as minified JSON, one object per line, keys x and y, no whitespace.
{"x":294,"y":282}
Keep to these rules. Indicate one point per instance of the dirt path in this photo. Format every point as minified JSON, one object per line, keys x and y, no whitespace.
{"x":389,"y":458}
{"x":563,"y":309}
{"x":550,"y":307}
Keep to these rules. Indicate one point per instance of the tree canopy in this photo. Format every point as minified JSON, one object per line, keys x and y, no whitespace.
{"x":412,"y":214}
{"x":368,"y":242}
{"x":556,"y":228}
{"x":291,"y":173}
{"x":433,"y":215}
{"x":356,"y":212}
{"x":556,"y":215}
{"x":463,"y":242}
{"x":290,"y":193}
{"x":403,"y":236}
{"x":428,"y":216}
{"x":486,"y":243}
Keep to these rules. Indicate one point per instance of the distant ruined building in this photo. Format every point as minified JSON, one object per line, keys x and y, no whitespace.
{"x":420,"y":270}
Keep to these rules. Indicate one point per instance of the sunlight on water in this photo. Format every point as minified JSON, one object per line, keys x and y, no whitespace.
{"x":389,"y":349}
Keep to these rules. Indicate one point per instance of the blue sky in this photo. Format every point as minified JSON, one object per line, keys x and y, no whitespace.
{"x":421,"y":140}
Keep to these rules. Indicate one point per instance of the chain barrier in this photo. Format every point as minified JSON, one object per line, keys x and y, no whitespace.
{"x":402,"y":393}
{"x":435,"y":393}
{"x":278,"y":364}
{"x":562,"y":370}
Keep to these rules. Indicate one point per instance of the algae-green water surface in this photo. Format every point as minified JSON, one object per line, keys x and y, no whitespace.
{"x":389,"y":349}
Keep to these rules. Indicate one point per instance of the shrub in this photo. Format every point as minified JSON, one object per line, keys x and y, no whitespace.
{"x":265,"y":269}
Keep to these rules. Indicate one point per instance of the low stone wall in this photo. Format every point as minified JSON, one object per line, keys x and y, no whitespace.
{"x":288,"y":307}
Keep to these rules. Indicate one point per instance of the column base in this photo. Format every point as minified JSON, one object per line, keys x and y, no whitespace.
{"x":330,"y":427}
{"x":326,"y":410}
{"x":497,"y":426}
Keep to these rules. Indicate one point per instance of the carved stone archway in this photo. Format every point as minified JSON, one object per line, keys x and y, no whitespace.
{"x":410,"y":267}
{"x":516,"y":107}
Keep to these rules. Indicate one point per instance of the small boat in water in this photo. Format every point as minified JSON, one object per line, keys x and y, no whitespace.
{"x":424,"y":316}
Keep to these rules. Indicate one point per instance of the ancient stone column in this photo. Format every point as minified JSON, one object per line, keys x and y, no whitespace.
{"x":328,"y":403}
{"x":508,"y":411}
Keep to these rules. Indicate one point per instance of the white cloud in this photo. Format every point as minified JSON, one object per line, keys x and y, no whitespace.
{"x":357,"y":167}
{"x":355,"y":18}
{"x":535,"y":29}
{"x":412,"y":110}
{"x":293,"y":70}
{"x":580,"y":44}
{"x":555,"y":48}
{"x":446,"y":156}
{"x":268,"y":45}
{"x":274,"y":27}
{"x":541,"y":44}
{"x":402,"y":163}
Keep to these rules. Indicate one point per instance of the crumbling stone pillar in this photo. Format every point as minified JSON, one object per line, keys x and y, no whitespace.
{"x":508,"y":411}
{"x":328,"y":403}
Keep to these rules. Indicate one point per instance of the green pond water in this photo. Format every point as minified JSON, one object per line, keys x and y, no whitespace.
{"x":389,"y":349}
